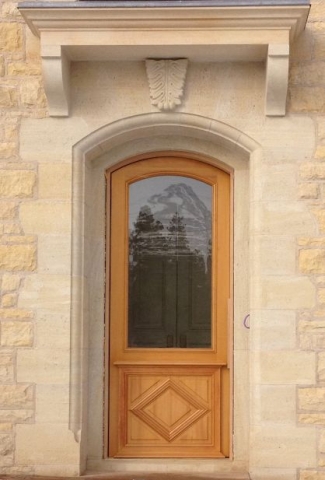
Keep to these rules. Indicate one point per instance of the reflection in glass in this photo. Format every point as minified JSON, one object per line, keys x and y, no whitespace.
{"x":170,"y":247}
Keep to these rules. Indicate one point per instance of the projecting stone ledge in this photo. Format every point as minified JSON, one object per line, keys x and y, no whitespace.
{"x":116,"y":31}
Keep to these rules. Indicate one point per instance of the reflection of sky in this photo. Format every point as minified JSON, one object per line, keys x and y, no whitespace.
{"x":140,"y":194}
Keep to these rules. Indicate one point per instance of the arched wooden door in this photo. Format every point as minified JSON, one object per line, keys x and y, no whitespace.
{"x":169,"y":292}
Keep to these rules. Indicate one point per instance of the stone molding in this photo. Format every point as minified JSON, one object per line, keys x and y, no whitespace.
{"x":166,"y":80}
{"x":85,"y":153}
{"x":211,"y":34}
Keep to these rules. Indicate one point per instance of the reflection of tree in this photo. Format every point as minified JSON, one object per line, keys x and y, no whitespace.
{"x":163,"y":269}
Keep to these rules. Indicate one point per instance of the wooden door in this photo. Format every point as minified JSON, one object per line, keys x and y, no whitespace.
{"x":169,"y":292}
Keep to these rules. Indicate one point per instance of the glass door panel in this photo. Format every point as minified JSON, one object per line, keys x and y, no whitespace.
{"x":170,"y":245}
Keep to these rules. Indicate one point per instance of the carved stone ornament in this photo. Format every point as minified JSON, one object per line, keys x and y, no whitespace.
{"x":166,"y":82}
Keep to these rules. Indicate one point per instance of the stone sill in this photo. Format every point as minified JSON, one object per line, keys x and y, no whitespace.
{"x":103,"y":32}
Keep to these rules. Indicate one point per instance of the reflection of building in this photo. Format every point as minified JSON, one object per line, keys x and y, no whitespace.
{"x":93,"y":107}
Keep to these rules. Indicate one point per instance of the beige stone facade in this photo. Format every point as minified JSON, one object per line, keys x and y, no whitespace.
{"x":52,"y":232}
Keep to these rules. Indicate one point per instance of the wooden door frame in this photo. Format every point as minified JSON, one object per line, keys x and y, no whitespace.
{"x":226,"y":419}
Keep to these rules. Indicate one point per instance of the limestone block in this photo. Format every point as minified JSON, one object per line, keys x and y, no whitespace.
{"x":312,"y":399}
{"x":8,"y":95}
{"x":24,"y":69}
{"x":274,"y":404}
{"x":45,"y":444}
{"x":6,"y":366}
{"x":42,"y":217}
{"x":17,"y":416}
{"x":299,"y":367}
{"x":286,"y":293}
{"x":311,"y":242}
{"x":277,"y":256}
{"x":16,"y":334}
{"x":59,"y":470}
{"x":302,"y":47}
{"x":313,"y":171}
{"x":53,"y":330}
{"x":320,"y":215}
{"x":7,"y":210}
{"x":18,"y":257}
{"x":274,"y":330}
{"x":43,"y":366}
{"x":46,"y":293}
{"x":312,"y":418}
{"x":6,"y":449}
{"x":312,"y":261}
{"x":15,"y":314}
{"x":52,"y":404}
{"x":308,"y":191}
{"x":281,"y":446}
{"x":55,"y":181}
{"x":17,"y":183}
{"x":273,"y":473}
{"x":7,"y":150}
{"x":16,"y":396}
{"x":306,"y":99}
{"x":312,"y":341}
{"x":32,"y":47}
{"x":10,"y":282}
{"x":54,"y":254}
{"x":9,"y":300}
{"x":10,"y":37}
{"x":277,"y":218}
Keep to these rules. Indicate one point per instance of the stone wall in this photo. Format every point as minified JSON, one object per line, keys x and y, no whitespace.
{"x":21,"y":95}
{"x":288,"y":278}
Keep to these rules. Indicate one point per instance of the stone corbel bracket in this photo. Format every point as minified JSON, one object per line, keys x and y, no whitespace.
{"x":260,"y":31}
{"x":166,"y":82}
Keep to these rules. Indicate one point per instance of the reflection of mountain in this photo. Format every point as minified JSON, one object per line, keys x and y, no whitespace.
{"x":181,"y":199}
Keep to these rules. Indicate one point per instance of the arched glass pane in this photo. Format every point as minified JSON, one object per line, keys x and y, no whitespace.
{"x":170,"y":246}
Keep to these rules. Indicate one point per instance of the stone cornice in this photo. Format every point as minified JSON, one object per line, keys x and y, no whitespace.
{"x":201,"y":33}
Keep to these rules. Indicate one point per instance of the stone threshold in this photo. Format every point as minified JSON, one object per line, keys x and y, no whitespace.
{"x":135,"y":476}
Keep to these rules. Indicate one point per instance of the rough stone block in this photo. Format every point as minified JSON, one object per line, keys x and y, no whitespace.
{"x":18,"y":257}
{"x":10,"y":37}
{"x":24,"y":69}
{"x":7,"y":210}
{"x":308,"y":191}
{"x":306,"y":99}
{"x":10,"y":282}
{"x":311,"y":475}
{"x":17,"y":416}
{"x":6,"y":367}
{"x":15,"y":314}
{"x":313,"y":171}
{"x":16,"y":334}
{"x":7,"y":150}
{"x":8,"y":95}
{"x":17,"y":183}
{"x":312,"y":418}
{"x":32,"y":93}
{"x":312,"y":261}
{"x":16,"y":396}
{"x":9,"y":300}
{"x":6,"y":449}
{"x":312,"y":399}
